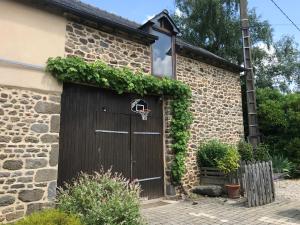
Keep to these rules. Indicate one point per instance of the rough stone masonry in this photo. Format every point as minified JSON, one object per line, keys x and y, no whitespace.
{"x":29,"y":133}
{"x":216,"y":108}
{"x":216,"y":102}
{"x":29,"y":120}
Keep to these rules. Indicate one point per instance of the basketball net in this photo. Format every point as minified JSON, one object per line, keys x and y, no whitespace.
{"x":144,"y":113}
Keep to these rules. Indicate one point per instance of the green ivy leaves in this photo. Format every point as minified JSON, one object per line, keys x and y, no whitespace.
{"x":75,"y":69}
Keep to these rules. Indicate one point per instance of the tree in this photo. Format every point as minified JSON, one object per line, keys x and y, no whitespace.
{"x":215,"y":26}
{"x":279,"y":116}
{"x":281,"y":67}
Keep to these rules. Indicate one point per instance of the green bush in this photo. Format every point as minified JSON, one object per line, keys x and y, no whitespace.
{"x":279,"y":123}
{"x":245,"y":150}
{"x":102,"y":198}
{"x":49,"y":217}
{"x":282,"y":165}
{"x":292,"y":151}
{"x":209,"y":153}
{"x":220,"y":155}
{"x":261,"y":153}
{"x":230,"y":162}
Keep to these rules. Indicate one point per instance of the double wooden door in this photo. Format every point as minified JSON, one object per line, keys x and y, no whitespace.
{"x":99,"y":130}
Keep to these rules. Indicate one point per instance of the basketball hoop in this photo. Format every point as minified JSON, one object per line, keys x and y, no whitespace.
{"x":140,"y":106}
{"x":144,"y":113}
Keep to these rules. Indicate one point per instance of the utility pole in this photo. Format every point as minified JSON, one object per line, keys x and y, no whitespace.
{"x":254,"y":135}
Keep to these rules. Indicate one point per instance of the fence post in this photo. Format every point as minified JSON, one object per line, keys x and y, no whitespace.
{"x":272,"y":180}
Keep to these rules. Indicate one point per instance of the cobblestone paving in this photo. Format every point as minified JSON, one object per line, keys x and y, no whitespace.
{"x":289,"y":189}
{"x":284,"y":211}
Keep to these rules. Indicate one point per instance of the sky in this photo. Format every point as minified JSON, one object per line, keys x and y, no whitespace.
{"x":141,"y":10}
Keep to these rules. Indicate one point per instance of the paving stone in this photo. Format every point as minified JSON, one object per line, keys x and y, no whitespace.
{"x":218,"y":211}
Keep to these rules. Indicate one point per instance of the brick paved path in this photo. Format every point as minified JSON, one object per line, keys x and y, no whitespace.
{"x":289,"y":189}
{"x":285,"y":211}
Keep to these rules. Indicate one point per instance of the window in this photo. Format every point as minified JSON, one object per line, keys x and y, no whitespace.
{"x":162,"y":55}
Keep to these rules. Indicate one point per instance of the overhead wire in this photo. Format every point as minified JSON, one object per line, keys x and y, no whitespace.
{"x":281,"y":10}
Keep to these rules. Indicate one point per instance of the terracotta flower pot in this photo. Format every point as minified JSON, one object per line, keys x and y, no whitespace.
{"x":233,"y":190}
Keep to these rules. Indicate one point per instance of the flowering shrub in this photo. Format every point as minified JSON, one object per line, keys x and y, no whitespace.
{"x":101,"y":198}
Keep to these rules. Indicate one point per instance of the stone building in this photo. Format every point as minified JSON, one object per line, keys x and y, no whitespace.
{"x":30,"y":99}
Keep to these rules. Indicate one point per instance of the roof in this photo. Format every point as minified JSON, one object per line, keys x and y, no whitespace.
{"x":209,"y":57}
{"x":94,"y":14}
{"x":164,"y":14}
{"x":86,"y":11}
{"x":83,"y":8}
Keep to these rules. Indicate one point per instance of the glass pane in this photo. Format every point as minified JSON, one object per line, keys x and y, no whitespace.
{"x":162,"y":55}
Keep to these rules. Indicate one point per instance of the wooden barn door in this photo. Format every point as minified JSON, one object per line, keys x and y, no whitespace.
{"x":147,"y":157}
{"x":99,"y":130}
{"x":113,"y":142}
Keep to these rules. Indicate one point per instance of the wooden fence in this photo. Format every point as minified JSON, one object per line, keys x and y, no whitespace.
{"x":256,"y":180}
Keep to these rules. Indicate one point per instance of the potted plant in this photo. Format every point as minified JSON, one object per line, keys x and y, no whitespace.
{"x":207,"y":156}
{"x":221,"y":160}
{"x":228,"y":164}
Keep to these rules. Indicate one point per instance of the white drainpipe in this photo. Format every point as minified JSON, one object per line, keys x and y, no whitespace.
{"x":22,"y":64}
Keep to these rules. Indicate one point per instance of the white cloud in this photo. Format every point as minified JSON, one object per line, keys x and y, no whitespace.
{"x":264,"y":46}
{"x":271,"y":58}
{"x":163,"y":66}
{"x":178,"y":12}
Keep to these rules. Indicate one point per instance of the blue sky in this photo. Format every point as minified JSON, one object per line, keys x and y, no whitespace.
{"x":140,"y":10}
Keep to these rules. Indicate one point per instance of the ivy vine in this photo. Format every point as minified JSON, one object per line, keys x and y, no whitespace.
{"x":75,"y":69}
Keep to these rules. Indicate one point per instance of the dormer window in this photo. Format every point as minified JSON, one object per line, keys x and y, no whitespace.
{"x":162,"y":52}
{"x":163,"y":49}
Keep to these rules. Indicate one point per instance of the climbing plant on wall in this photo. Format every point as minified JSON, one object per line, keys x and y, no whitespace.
{"x":75,"y":69}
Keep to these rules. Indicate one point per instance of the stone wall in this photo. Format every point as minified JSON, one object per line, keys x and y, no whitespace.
{"x":29,"y":132}
{"x":92,"y":44}
{"x":216,"y":107}
{"x":29,"y":120}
